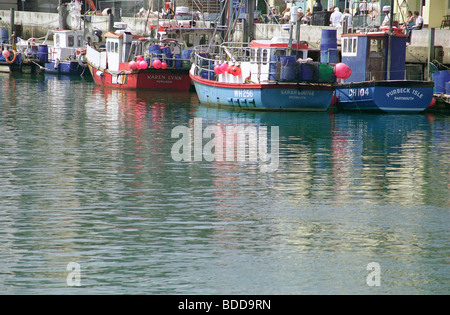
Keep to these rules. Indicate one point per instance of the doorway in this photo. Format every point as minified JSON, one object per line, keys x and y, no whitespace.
{"x":376,"y":60}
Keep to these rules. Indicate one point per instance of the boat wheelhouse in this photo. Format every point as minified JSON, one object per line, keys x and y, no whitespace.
{"x":66,"y":55}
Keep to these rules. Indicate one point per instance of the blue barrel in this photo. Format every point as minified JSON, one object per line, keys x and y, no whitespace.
{"x":308,"y":71}
{"x":177,"y":58}
{"x":447,"y":88}
{"x":440,"y":78}
{"x":4,"y":36}
{"x":186,"y":57}
{"x":328,"y":39}
{"x":328,"y":46}
{"x":43,"y":53}
{"x":154,"y":49}
{"x":204,"y":56}
{"x":207,"y":74}
{"x":288,"y":68}
{"x":444,"y":77}
{"x":329,"y":56}
{"x":273,"y":67}
{"x":186,"y":54}
{"x":167,"y":52}
{"x":435,"y":78}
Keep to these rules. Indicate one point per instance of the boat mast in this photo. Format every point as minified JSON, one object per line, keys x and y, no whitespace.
{"x":391,"y":33}
{"x":229,"y":19}
{"x":250,"y":20}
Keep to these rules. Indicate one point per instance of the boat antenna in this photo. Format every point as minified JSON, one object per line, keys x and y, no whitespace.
{"x":391,"y":33}
{"x":232,"y":21}
{"x":157,"y":24}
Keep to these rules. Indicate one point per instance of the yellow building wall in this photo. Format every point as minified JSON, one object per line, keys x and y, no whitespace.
{"x":434,"y":11}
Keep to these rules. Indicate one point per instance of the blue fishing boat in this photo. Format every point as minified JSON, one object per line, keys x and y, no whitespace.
{"x":377,"y":78}
{"x":272,"y":75}
{"x":66,"y":55}
{"x":17,"y":58}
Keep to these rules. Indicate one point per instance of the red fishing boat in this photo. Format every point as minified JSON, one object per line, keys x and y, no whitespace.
{"x":134,"y":62}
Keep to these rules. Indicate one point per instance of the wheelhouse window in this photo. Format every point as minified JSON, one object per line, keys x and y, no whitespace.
{"x":265,"y":56}
{"x":349,"y":46}
{"x":189,"y":39}
{"x":70,"y":41}
{"x":204,"y":39}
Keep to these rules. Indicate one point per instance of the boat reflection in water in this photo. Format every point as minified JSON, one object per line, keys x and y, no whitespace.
{"x":341,"y":156}
{"x":383,"y":158}
{"x":88,"y":177}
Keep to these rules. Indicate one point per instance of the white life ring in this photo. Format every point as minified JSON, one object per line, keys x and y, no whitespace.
{"x":81,"y":58}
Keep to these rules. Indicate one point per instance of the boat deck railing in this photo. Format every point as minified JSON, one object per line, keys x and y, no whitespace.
{"x":206,"y":57}
{"x":265,"y":68}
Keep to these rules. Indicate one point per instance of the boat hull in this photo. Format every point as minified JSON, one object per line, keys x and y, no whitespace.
{"x":385,"y":96}
{"x":269,"y":97}
{"x":20,"y":65}
{"x":169,"y":79}
{"x":64,"y":67}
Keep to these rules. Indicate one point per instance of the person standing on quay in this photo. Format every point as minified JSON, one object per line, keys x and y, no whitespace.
{"x":335,"y":18}
{"x":349,"y":19}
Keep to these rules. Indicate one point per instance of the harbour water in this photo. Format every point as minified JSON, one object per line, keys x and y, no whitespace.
{"x":92,"y":200}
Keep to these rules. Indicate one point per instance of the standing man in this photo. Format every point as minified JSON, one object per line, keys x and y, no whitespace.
{"x":387,"y":17}
{"x":349,"y":18}
{"x":335,"y":18}
{"x":363,"y":7}
{"x":374,"y":12}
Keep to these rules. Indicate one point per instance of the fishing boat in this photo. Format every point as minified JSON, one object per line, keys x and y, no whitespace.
{"x":135,"y":62}
{"x":64,"y":56}
{"x":67,"y":54}
{"x":376,"y":81}
{"x":16,"y":58}
{"x":271,"y":75}
{"x":10,"y":59}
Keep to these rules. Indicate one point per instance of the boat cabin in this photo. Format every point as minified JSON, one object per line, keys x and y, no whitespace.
{"x":266,"y":53}
{"x":367,"y":56}
{"x":65,"y":44}
{"x":258,"y":61}
{"x":119,"y":48}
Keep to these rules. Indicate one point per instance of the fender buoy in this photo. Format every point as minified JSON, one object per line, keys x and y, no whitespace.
{"x":432,"y":103}
{"x":14,"y":58}
{"x":333,"y":100}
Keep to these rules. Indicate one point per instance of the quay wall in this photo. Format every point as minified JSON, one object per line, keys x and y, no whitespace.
{"x":35,"y":24}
